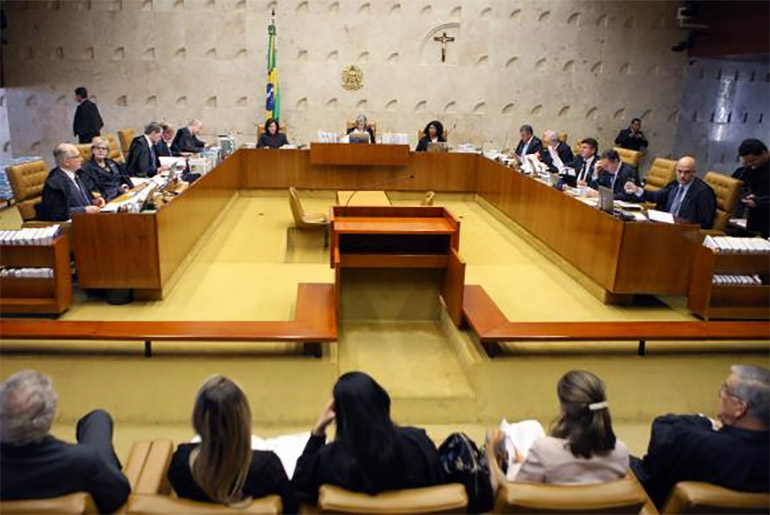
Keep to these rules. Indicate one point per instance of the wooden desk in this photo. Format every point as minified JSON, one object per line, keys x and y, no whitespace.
{"x":358,"y":154}
{"x":363,"y":198}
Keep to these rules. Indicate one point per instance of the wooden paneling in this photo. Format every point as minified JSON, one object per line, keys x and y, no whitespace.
{"x":345,"y":154}
{"x":453,"y":287}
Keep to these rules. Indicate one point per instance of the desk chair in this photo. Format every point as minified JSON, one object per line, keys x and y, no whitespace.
{"x":563,"y":136}
{"x":428,"y":200}
{"x":449,"y":498}
{"x":126,"y":136}
{"x":696,"y":497}
{"x":307,"y":221}
{"x":728,"y":191}
{"x":27,"y":181}
{"x":630,"y":157}
{"x":369,"y":125}
{"x":660,"y":173}
{"x":115,"y":153}
{"x":85,"y":152}
{"x":622,"y":496}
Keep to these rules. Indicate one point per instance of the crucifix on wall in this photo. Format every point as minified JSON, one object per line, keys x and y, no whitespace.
{"x":443,"y":39}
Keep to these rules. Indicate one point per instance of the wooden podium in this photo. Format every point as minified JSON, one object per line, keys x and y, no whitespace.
{"x":400,"y":237}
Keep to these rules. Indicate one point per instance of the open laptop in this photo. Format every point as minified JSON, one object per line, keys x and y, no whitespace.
{"x":359,"y":137}
{"x":606,"y":199}
{"x":437,"y":146}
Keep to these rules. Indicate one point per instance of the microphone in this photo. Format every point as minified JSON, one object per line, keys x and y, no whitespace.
{"x":374,"y":185}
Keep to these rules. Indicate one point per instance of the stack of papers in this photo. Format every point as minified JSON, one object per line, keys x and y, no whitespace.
{"x":395,"y":138}
{"x":735,"y":245}
{"x":40,"y":273}
{"x":736,"y":280}
{"x":660,"y":216}
{"x":30,"y":236}
{"x":465,"y":148}
{"x":328,"y":137}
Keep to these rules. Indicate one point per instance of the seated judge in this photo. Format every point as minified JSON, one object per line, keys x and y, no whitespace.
{"x":186,"y":139}
{"x":688,"y":197}
{"x":361,"y":126}
{"x":36,"y":465}
{"x":557,"y":155}
{"x":64,"y":192}
{"x":731,"y":451}
{"x":582,"y":447}
{"x":529,"y":143}
{"x":433,"y":133}
{"x":142,"y":160}
{"x":165,"y":145}
{"x":632,"y":138}
{"x":614,"y":174}
{"x":585,"y":163}
{"x":369,"y":453}
{"x":102,"y":174}
{"x":755,"y":196}
{"x":222,"y":468}
{"x":272,"y":137}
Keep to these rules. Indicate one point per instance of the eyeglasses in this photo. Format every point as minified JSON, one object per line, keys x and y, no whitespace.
{"x":77,"y":156}
{"x":101,"y":148}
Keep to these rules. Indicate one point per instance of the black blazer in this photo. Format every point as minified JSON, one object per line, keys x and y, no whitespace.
{"x":756,"y":181}
{"x":368,"y":129}
{"x":87,"y":119}
{"x":626,"y":140}
{"x":106,"y":182}
{"x":534,"y":146}
{"x":266,"y":476}
{"x":331,"y":463}
{"x":52,"y":468}
{"x":699,"y":206}
{"x":140,"y":162}
{"x":564,"y":153}
{"x":625,"y":173}
{"x":268,"y":141}
{"x":578,"y":164}
{"x":686,"y":448}
{"x":163,"y":150}
{"x":422,"y":145}
{"x":184,"y":141}
{"x":61,"y":197}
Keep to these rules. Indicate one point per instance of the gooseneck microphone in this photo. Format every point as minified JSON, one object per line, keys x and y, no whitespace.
{"x":375,"y":185}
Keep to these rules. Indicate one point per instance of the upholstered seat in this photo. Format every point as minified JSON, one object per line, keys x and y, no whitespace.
{"x":126,"y":136}
{"x":302,"y":219}
{"x":630,"y":157}
{"x":623,"y":496}
{"x":369,"y":125}
{"x":27,"y":181}
{"x":727,"y":191}
{"x":660,"y":173}
{"x":696,"y":497}
{"x":435,"y":499}
{"x":85,"y":151}
{"x":115,"y":153}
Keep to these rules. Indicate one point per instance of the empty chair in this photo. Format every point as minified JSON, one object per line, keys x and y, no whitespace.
{"x":449,"y":498}
{"x":85,"y":151}
{"x":630,"y":157}
{"x":27,"y":181}
{"x":312,"y":221}
{"x":115,"y":153}
{"x":660,"y":173}
{"x":728,"y":191}
{"x":428,"y":200}
{"x":126,"y":136}
{"x":697,"y":497}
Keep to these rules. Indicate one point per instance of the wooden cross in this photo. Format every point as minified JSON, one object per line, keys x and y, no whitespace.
{"x":443,"y":39}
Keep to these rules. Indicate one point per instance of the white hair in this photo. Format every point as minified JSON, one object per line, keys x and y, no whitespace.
{"x":753,"y":387}
{"x":27,"y":406}
{"x":63,"y":151}
{"x":551,"y":136}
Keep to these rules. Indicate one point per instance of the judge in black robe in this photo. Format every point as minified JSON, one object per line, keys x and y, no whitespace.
{"x":143,"y":160}
{"x":272,"y":137}
{"x":433,"y":133}
{"x":529,"y":143}
{"x":186,"y":139}
{"x":88,"y":122}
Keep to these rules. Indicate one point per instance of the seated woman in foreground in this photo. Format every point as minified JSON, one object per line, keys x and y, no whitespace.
{"x":223,"y":468}
{"x":369,"y":453}
{"x":434,"y":133}
{"x":272,"y":137}
{"x":582,"y":447}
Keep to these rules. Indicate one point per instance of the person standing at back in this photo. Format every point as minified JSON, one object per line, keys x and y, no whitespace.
{"x":632,"y":138}
{"x":88,"y":122}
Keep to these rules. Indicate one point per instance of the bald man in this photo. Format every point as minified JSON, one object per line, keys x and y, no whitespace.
{"x":64,"y":193}
{"x":688,"y":198}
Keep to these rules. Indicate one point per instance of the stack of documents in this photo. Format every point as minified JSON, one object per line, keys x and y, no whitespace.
{"x":30,"y":236}
{"x":395,"y":138}
{"x":328,"y":137}
{"x":736,"y":280}
{"x":40,"y":273}
{"x":734,"y":245}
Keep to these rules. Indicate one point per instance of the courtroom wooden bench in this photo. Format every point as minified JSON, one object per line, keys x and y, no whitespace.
{"x":492,"y":327}
{"x":315,"y":322}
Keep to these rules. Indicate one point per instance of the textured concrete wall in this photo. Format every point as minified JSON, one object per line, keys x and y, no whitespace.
{"x":585,"y":67}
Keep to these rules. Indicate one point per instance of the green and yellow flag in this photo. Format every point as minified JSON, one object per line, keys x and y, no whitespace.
{"x":273,"y":97}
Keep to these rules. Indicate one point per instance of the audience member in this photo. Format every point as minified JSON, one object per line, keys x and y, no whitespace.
{"x":585,"y":163}
{"x":88,"y":122}
{"x":433,"y":133}
{"x":36,"y":465}
{"x":64,"y":193}
{"x":222,"y":468}
{"x":755,"y":174}
{"x":362,"y":126}
{"x":557,"y":155}
{"x":688,"y":197}
{"x":582,"y":447}
{"x":369,"y":453}
{"x":614,"y":174}
{"x":186,"y":139}
{"x":732,"y":451}
{"x":632,"y":138}
{"x":165,"y":145}
{"x":272,"y":137}
{"x":143,"y":160}
{"x":529,"y":143}
{"x":103,"y":175}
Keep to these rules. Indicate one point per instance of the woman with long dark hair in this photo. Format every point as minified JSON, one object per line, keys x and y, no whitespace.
{"x":582,"y":447}
{"x":370,"y":453}
{"x":223,"y":468}
{"x":272,"y":137}
{"x":433,"y":133}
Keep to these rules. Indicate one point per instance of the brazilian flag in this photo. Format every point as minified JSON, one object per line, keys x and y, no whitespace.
{"x":273,"y":96}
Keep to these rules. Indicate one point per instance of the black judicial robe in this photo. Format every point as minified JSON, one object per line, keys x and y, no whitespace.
{"x":578,"y":165}
{"x":699,"y":205}
{"x":88,"y":122}
{"x":270,"y":141}
{"x":534,"y":146}
{"x":422,"y":145}
{"x":142,"y":160}
{"x":61,"y":197}
{"x":163,"y":150}
{"x":627,"y":140}
{"x":625,"y":173}
{"x":185,"y":141}
{"x":368,"y":129}
{"x":105,"y":181}
{"x":564,"y":153}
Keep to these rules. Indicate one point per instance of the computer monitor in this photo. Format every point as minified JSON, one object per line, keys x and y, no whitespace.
{"x":606,"y":199}
{"x":359,"y":137}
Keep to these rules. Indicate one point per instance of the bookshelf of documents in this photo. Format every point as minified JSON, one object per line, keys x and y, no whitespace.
{"x":730,"y":279}
{"x":35,"y":272}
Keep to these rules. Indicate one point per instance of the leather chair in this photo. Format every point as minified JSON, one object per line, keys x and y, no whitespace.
{"x":428,"y":200}
{"x":623,"y":496}
{"x":630,"y":157}
{"x":126,"y":136}
{"x":81,"y":502}
{"x":369,"y":125}
{"x":27,"y":181}
{"x":660,"y":173}
{"x":728,"y":191}
{"x":115,"y":153}
{"x":696,"y":497}
{"x":563,"y":136}
{"x":312,"y":221}
{"x":85,"y":151}
{"x":449,"y":498}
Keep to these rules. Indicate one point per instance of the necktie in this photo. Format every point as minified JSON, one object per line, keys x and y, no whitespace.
{"x":583,"y":169}
{"x":153,"y":156}
{"x":677,"y":201}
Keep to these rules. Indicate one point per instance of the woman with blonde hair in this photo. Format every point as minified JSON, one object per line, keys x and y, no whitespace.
{"x":582,"y":447}
{"x":223,"y":468}
{"x":102,"y":174}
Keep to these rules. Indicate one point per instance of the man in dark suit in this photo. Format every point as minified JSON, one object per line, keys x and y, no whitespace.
{"x":529,"y":143}
{"x":755,"y":174}
{"x":186,"y":140}
{"x":633,"y":137}
{"x":731,"y":452}
{"x":584,"y":163}
{"x":143,"y":160}
{"x":36,"y":465}
{"x":64,"y":192}
{"x":88,"y":122}
{"x":688,"y":198}
{"x":165,"y":145}
{"x":556,"y":155}
{"x":614,"y":174}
